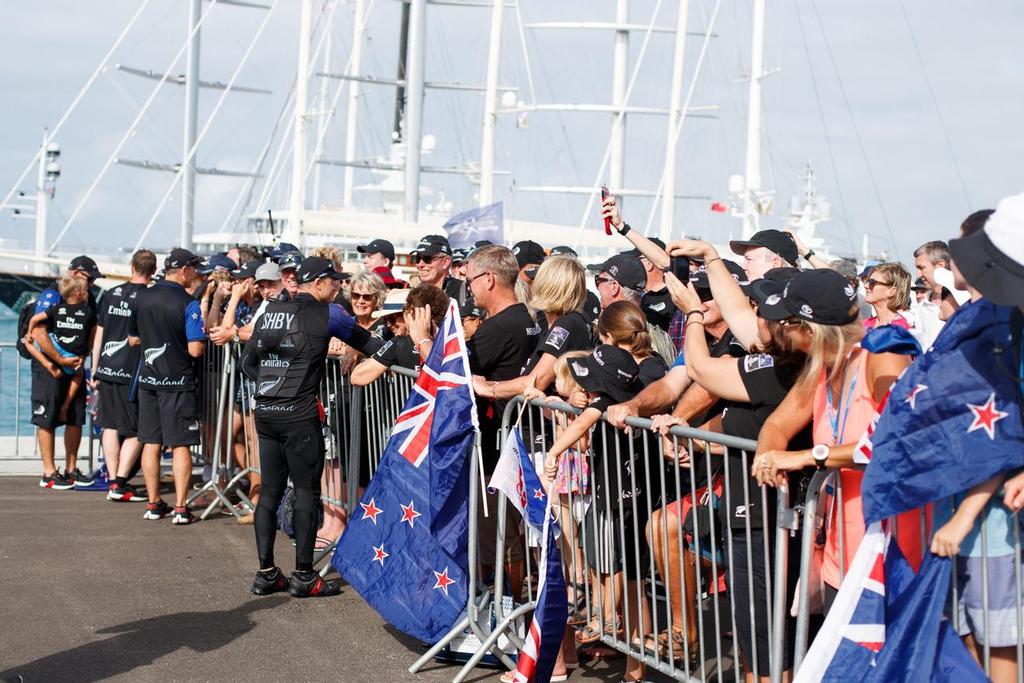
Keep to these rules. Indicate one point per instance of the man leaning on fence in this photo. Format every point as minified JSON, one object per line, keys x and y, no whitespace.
{"x":169,"y":326}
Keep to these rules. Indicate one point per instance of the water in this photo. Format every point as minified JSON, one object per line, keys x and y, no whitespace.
{"x":15,"y":396}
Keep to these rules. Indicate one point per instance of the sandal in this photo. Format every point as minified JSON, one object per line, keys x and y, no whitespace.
{"x":323,"y":543}
{"x":510,"y":677}
{"x":592,"y":633}
{"x":673,"y":643}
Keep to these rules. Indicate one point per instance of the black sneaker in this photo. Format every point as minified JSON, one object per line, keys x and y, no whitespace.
{"x":157,"y":510}
{"x":312,"y":585}
{"x":55,"y":481}
{"x":183,"y":515}
{"x":266,"y":583}
{"x":125,"y":494}
{"x":77,"y":479}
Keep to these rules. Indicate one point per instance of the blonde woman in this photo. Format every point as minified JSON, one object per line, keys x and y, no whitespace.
{"x":558,"y":292}
{"x":887,"y":289}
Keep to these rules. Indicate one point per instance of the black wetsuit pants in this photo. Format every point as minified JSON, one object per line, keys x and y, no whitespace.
{"x":289,"y":449}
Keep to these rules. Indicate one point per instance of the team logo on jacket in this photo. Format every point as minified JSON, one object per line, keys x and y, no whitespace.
{"x":152,"y":354}
{"x":112,"y":348}
{"x":264,"y":387}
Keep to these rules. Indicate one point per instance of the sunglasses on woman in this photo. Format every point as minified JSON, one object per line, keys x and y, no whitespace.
{"x":872,"y":282}
{"x":357,"y":296}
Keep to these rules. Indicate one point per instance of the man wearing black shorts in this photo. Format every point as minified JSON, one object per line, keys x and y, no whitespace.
{"x":169,"y":326}
{"x":285,"y":357}
{"x":116,"y":363}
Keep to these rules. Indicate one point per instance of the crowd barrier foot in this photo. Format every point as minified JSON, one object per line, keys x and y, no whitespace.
{"x":489,"y":642}
{"x":221,"y":499}
{"x":473,"y":624}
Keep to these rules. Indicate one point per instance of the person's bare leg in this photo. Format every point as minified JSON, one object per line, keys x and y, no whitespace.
{"x":151,"y":471}
{"x":334,"y":516}
{"x":131,"y":449}
{"x":639,"y":618}
{"x":111,"y":451}
{"x":253,"y":458}
{"x":45,"y":437}
{"x":182,"y":474}
{"x":72,"y":440}
{"x":1003,"y":664}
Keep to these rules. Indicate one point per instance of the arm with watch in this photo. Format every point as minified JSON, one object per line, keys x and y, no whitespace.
{"x":807,"y":254}
{"x":651,"y":251}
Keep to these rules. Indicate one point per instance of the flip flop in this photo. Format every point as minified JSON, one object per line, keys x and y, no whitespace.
{"x":322,"y":543}
{"x":510,"y":677}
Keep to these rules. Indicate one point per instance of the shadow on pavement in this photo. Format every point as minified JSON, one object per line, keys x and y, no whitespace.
{"x":139,"y":643}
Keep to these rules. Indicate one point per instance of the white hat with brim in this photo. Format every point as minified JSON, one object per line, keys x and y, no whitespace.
{"x":992,"y":259}
{"x":944,"y":277}
{"x":394,"y":303}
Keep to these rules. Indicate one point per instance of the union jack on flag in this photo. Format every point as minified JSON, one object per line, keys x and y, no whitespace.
{"x":417,"y":417}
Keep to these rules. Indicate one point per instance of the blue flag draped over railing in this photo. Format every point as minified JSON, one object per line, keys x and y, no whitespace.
{"x":404,"y":549}
{"x":952,"y":421}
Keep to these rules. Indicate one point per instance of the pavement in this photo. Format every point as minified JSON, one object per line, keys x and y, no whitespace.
{"x":92,"y":592}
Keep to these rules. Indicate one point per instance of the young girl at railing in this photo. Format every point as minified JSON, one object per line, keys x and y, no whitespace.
{"x":615,"y":372}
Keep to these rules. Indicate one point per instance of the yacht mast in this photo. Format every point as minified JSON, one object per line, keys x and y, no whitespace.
{"x":41,"y":206}
{"x":293,"y":232}
{"x":188,"y":173}
{"x":491,"y":106}
{"x":752,"y":172}
{"x":322,"y":114}
{"x":355,"y":66}
{"x":617,"y":162}
{"x":668,"y":194}
{"x":414,"y":108}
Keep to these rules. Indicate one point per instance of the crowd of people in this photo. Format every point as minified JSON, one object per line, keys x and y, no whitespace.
{"x":763,"y":343}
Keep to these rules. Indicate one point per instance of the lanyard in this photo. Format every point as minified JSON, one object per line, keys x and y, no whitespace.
{"x":833,"y":411}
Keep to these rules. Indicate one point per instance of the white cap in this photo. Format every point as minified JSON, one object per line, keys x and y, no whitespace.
{"x":944,"y":277}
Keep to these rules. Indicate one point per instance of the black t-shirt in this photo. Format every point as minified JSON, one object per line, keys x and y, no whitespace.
{"x":119,"y":361}
{"x":767,"y":383}
{"x":398,"y":351}
{"x":652,"y":369}
{"x":166,"y":319}
{"x":571,"y":332}
{"x":498,"y":351}
{"x":71,"y":325}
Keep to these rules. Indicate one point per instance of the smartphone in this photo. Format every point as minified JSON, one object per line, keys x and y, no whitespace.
{"x":607,"y":221}
{"x":680,"y":267}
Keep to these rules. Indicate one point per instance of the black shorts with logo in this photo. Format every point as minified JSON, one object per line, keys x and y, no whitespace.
{"x":117,"y":410}
{"x":169,"y":418}
{"x":48,"y":395}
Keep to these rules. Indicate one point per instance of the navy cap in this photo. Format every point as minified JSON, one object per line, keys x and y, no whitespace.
{"x":382,"y":247}
{"x":246,"y":271}
{"x":217,"y":262}
{"x":314,"y":268}
{"x":280,"y":249}
{"x":459,"y":255}
{"x":86,"y":265}
{"x":293,"y":259}
{"x":179,"y":258}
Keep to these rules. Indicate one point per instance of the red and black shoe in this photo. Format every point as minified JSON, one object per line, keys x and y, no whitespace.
{"x":267,"y":582}
{"x":312,"y":585}
{"x":157,"y":510}
{"x":183,"y":515}
{"x":124,"y":494}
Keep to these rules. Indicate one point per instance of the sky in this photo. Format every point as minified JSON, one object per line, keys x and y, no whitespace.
{"x":908,"y":110}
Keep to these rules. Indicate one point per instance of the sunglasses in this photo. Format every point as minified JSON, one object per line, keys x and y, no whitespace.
{"x":872,"y":282}
{"x":427,"y":259}
{"x":356,"y":296}
{"x":791,"y":322}
{"x":603,"y":280}
{"x":478,"y":275}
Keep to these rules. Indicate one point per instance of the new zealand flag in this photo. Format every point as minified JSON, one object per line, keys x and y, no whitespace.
{"x":404,"y":549}
{"x":953,"y":420}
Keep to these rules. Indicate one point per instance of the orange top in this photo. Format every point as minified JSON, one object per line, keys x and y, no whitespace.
{"x":845,"y":421}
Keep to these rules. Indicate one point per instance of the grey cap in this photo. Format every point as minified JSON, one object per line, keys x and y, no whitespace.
{"x":268,"y":271}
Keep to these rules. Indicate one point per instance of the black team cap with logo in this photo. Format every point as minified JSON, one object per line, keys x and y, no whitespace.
{"x":180,"y":258}
{"x":314,"y":268}
{"x":86,"y":265}
{"x":773,"y":240}
{"x":382,"y":247}
{"x":528,"y":252}
{"x":431,"y":245}
{"x":609,"y":370}
{"x":626,"y":269}
{"x":819,"y":296}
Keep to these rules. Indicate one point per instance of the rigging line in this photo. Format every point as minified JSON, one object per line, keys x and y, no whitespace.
{"x":520,"y":30}
{"x":78,"y":98}
{"x":206,"y":128}
{"x":824,"y":124}
{"x":935,"y":104}
{"x":686,"y":107}
{"x":116,"y":82}
{"x":131,"y":130}
{"x":856,"y":131}
{"x":618,"y":121}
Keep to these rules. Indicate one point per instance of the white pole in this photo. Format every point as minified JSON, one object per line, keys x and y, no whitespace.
{"x":617,"y":166}
{"x":188,"y":177}
{"x":355,"y":66}
{"x":668,"y":197}
{"x":293,"y":230}
{"x":752,"y":173}
{"x":322,"y":116}
{"x":41,"y":205}
{"x":491,"y":106}
{"x":414,"y":108}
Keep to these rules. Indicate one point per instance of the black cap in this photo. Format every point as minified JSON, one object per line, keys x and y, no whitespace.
{"x":563,"y":250}
{"x":430,"y":245}
{"x":314,"y":268}
{"x":382,"y":247}
{"x":280,"y":250}
{"x":920,"y":285}
{"x":609,"y":370}
{"x":86,"y":265}
{"x":656,"y":240}
{"x":528,"y":252}
{"x":179,"y":258}
{"x":773,"y":282}
{"x":699,"y":277}
{"x":591,"y":307}
{"x":247,"y":270}
{"x":820,"y":296}
{"x":658,"y":307}
{"x":626,"y":269}
{"x":459,"y":255}
{"x":469,"y":309}
{"x":773,"y":240}
{"x":293,"y":259}
{"x":991,"y":259}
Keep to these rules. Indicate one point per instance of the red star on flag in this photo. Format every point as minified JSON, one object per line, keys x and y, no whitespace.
{"x":409,"y":514}
{"x":370,"y":511}
{"x":379,"y":554}
{"x":538,"y":494}
{"x":912,"y":396}
{"x":986,"y":416}
{"x":443,"y":581}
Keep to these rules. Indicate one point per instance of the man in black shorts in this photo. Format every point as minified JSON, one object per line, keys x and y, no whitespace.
{"x":116,"y":364}
{"x":285,"y":357}
{"x":169,"y":326}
